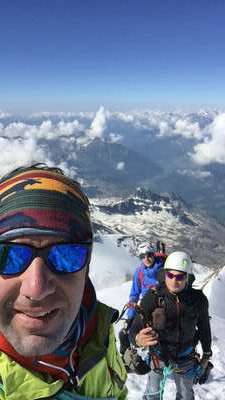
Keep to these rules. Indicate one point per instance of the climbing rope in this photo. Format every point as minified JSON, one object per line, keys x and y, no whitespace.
{"x":167,"y":371}
{"x":194,"y":372}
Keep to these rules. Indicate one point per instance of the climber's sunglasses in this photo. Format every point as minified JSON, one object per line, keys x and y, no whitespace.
{"x":61,"y":258}
{"x":147,"y":255}
{"x":178,"y":277}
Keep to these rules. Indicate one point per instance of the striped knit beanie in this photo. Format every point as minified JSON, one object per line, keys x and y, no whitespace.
{"x":41,"y":200}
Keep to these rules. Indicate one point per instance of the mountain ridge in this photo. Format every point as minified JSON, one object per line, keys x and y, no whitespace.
{"x":148,"y":216}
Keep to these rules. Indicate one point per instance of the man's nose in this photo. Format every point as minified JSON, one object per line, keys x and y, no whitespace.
{"x":37,"y":282}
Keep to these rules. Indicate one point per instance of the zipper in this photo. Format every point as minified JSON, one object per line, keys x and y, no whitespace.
{"x":178,"y":308}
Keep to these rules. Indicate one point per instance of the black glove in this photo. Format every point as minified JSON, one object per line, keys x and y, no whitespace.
{"x":134,"y":363}
{"x":205,"y":373}
{"x":203,"y":369}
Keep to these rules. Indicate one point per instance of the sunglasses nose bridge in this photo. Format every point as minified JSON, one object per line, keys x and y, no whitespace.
{"x":37,"y":282}
{"x":42,"y":253}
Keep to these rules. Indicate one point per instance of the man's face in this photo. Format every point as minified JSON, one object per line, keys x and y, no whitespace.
{"x":147,"y":259}
{"x":38,"y":307}
{"x":175,"y":280}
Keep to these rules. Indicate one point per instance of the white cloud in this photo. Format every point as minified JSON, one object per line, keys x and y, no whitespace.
{"x":125,"y":117}
{"x":15,"y":129}
{"x":114,"y":137}
{"x":168,"y":124}
{"x":213,"y":147}
{"x":4,"y":115}
{"x":96,"y":129}
{"x":98,"y":125}
{"x":51,"y":114}
{"x":187,"y":129}
{"x":160,"y":123}
{"x":68,"y":170}
{"x":163,"y":128}
{"x":46,"y":130}
{"x":69,"y":128}
{"x":19,"y":152}
{"x":82,"y":128}
{"x":120,"y":166}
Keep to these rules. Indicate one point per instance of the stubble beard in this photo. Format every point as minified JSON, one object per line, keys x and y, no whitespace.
{"x":29,"y":345}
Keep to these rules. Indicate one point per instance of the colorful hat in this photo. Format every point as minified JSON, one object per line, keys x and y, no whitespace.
{"x":39,"y":200}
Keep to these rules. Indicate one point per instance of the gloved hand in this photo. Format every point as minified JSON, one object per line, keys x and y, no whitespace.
{"x":134,"y":363}
{"x":203,"y":369}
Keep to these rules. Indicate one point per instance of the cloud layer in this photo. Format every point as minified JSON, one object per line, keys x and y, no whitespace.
{"x":36,"y":138}
{"x":212,"y":148}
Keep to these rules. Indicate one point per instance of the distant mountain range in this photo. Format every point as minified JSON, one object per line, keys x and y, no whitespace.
{"x":116,"y":169}
{"x":147,"y":216}
{"x":113,"y":167}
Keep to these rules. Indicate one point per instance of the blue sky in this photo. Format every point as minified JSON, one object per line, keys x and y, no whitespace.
{"x":73,"y":55}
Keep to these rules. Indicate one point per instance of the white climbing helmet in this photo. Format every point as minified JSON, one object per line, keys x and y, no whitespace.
{"x":145,"y":248}
{"x":179,"y":261}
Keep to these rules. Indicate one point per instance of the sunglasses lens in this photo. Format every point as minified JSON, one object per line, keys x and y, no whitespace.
{"x":68,"y":257}
{"x":178,"y":277}
{"x":14,"y":258}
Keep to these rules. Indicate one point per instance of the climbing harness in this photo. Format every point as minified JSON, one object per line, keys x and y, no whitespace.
{"x":195,"y":372}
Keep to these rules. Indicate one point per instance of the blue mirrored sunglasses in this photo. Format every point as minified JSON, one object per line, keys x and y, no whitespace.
{"x":61,"y":258}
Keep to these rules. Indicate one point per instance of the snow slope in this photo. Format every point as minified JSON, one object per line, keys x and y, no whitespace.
{"x":110,"y":264}
{"x":110,"y":268}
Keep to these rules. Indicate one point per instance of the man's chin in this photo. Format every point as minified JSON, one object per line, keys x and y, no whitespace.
{"x":174,"y":290}
{"x":33,"y":345}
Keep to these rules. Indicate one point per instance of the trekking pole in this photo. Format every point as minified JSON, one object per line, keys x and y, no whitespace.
{"x":158,"y":246}
{"x":125,"y":308}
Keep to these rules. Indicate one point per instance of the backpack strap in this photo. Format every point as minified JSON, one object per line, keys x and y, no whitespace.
{"x":140,"y":277}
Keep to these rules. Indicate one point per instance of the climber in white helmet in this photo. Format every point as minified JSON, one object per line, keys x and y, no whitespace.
{"x":175,"y":319}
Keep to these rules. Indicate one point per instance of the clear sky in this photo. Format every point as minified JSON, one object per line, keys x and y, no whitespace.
{"x":69,"y":55}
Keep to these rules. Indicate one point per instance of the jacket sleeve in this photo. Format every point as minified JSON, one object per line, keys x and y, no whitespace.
{"x":203,"y":325}
{"x":135,"y":290}
{"x":134,"y":294}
